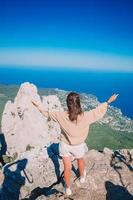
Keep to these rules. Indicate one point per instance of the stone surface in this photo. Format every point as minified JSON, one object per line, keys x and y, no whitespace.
{"x":108,"y":177}
{"x":23,"y":125}
{"x":37,"y":172}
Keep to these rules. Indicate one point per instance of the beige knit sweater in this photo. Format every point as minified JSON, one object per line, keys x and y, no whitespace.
{"x":75,"y":133}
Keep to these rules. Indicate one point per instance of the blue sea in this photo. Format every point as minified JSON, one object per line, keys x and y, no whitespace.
{"x":99,"y":83}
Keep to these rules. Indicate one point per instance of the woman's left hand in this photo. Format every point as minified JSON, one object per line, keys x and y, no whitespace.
{"x":112,"y":98}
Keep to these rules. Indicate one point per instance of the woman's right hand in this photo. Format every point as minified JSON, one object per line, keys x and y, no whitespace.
{"x":34,"y":103}
{"x":112,"y":98}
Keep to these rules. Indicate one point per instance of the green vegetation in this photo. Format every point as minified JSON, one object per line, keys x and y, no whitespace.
{"x":101,"y":136}
{"x":7,"y":92}
{"x":8,"y":159}
{"x":29,"y":147}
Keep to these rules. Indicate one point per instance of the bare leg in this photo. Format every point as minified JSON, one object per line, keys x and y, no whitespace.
{"x":67,"y":170}
{"x":81,"y":166}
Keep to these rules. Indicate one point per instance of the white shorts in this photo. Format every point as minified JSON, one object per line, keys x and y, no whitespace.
{"x":74,"y":151}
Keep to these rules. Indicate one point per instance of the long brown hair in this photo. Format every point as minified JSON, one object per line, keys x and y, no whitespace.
{"x":74,"y":106}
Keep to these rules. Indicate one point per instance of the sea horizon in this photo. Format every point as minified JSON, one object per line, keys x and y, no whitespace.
{"x":101,"y":83}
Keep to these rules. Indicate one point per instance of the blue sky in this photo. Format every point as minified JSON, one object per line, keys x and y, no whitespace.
{"x":88,"y":33}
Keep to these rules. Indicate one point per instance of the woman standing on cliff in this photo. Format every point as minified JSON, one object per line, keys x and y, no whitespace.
{"x":74,"y":125}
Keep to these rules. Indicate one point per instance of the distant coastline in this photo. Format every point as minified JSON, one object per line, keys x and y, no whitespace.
{"x":99,"y":83}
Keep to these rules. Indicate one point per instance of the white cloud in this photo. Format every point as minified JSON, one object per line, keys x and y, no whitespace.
{"x":65,"y":58}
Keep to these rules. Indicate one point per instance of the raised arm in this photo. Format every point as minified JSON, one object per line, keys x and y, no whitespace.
{"x":97,"y":113}
{"x":41,"y":109}
{"x":112,"y":98}
{"x":55,"y":115}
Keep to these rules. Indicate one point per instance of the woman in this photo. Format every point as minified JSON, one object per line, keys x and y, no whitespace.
{"x":74,"y":125}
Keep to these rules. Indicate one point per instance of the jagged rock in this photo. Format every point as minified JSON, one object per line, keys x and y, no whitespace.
{"x":105,"y":180}
{"x":23,"y":124}
{"x":107,"y":151}
{"x":52,"y":102}
{"x":37,"y":172}
{"x":131,"y":153}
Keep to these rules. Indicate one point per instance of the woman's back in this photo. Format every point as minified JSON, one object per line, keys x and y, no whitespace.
{"x":75,"y":132}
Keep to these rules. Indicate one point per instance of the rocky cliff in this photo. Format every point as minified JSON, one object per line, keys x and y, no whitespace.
{"x":34,"y":177}
{"x":37,"y":170}
{"x":24,"y":126}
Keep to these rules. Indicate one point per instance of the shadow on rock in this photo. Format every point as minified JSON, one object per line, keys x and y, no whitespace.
{"x":117,"y":192}
{"x":118,"y":158}
{"x":3,"y":147}
{"x":53,"y":152}
{"x":46,"y":191}
{"x":13,"y":180}
{"x":122,"y":158}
